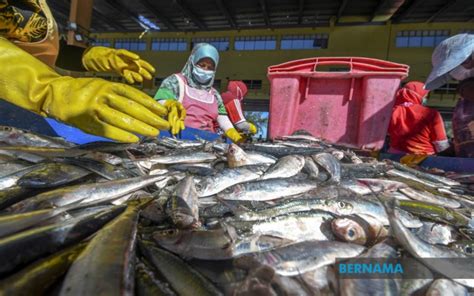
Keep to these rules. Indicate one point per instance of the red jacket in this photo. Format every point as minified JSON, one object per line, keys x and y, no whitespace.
{"x":236,"y":91}
{"x":414,"y":128}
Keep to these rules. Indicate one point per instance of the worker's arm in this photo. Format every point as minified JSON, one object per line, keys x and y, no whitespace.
{"x":438,"y":134}
{"x":96,"y":106}
{"x":167,"y":95}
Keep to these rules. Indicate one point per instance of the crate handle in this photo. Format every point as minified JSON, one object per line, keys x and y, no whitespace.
{"x":347,"y":63}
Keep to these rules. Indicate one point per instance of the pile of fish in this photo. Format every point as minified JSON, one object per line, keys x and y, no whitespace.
{"x":177,"y":217}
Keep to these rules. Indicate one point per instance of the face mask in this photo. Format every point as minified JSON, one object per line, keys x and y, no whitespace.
{"x":460,"y":73}
{"x":201,"y":75}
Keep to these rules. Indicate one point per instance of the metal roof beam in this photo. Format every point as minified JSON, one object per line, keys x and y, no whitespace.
{"x":158,"y":15}
{"x":442,"y":10}
{"x":108,"y":20}
{"x":300,"y":12}
{"x":118,"y":5}
{"x":185,"y":9}
{"x":409,"y":9}
{"x":263,"y":5}
{"x":226,"y":13}
{"x":341,"y":9}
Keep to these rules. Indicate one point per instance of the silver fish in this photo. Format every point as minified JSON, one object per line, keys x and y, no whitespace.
{"x":267,"y":189}
{"x":430,"y":198}
{"x":306,"y":256}
{"x":437,"y":234}
{"x":285,"y":167}
{"x":423,"y":250}
{"x":228,"y":177}
{"x":330,"y":164}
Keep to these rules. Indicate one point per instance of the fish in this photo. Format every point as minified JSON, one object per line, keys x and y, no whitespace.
{"x":278,"y":150}
{"x":13,"y":223}
{"x":24,"y":247}
{"x":37,"y":277}
{"x":363,"y":170}
{"x":226,"y":178}
{"x":19,"y":137}
{"x":437,"y":234}
{"x":299,"y":258}
{"x":110,"y":256}
{"x":12,"y":179}
{"x":328,"y":162}
{"x":103,"y":169}
{"x":445,"y":287}
{"x":182,"y":206}
{"x":12,"y":166}
{"x":285,"y":167}
{"x":195,"y":169}
{"x":52,"y":175}
{"x":410,"y":177}
{"x":182,"y":278}
{"x":297,"y":226}
{"x":362,"y":230}
{"x":371,"y":286}
{"x":464,"y":246}
{"x":147,"y":283}
{"x":379,"y":185}
{"x":179,"y":157}
{"x":434,"y":212}
{"x":426,"y":176}
{"x":215,"y":244}
{"x":155,"y":211}
{"x":310,"y":168}
{"x":15,"y":194}
{"x":430,"y":198}
{"x":266,"y":189}
{"x":423,"y":250}
{"x":84,"y":193}
{"x":237,"y":157}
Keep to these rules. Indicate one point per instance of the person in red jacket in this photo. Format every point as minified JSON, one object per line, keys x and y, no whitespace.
{"x":232,"y":98}
{"x":414,"y":128}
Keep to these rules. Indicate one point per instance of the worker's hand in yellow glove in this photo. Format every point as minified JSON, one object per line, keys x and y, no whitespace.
{"x":246,"y":127}
{"x":176,"y":115}
{"x":113,"y":110}
{"x":235,"y":136}
{"x":252,"y":128}
{"x":126,"y":63}
{"x":412,"y":159}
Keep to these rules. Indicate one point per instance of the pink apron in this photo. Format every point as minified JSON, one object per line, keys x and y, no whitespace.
{"x":201,"y":106}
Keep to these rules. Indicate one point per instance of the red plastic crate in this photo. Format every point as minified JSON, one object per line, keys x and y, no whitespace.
{"x":352,"y":107}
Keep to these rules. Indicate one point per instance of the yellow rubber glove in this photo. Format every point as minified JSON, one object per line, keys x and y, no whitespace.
{"x":176,"y":115}
{"x":252,"y":129}
{"x":412,"y":159}
{"x":121,"y":61}
{"x":234,"y":135}
{"x":96,"y":106}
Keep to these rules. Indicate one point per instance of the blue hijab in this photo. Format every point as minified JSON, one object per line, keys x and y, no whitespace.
{"x":200,"y":51}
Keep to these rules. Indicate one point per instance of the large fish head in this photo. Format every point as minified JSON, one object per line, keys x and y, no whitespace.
{"x":168,"y":238}
{"x":349,"y":231}
{"x":236,"y":156}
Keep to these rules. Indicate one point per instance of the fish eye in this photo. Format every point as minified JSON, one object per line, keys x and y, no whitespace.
{"x":341,"y":204}
{"x":170,"y":232}
{"x":351,"y":233}
{"x":468,"y":250}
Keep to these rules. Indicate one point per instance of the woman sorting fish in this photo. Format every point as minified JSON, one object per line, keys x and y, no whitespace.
{"x":414,"y":128}
{"x":192,"y":87}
